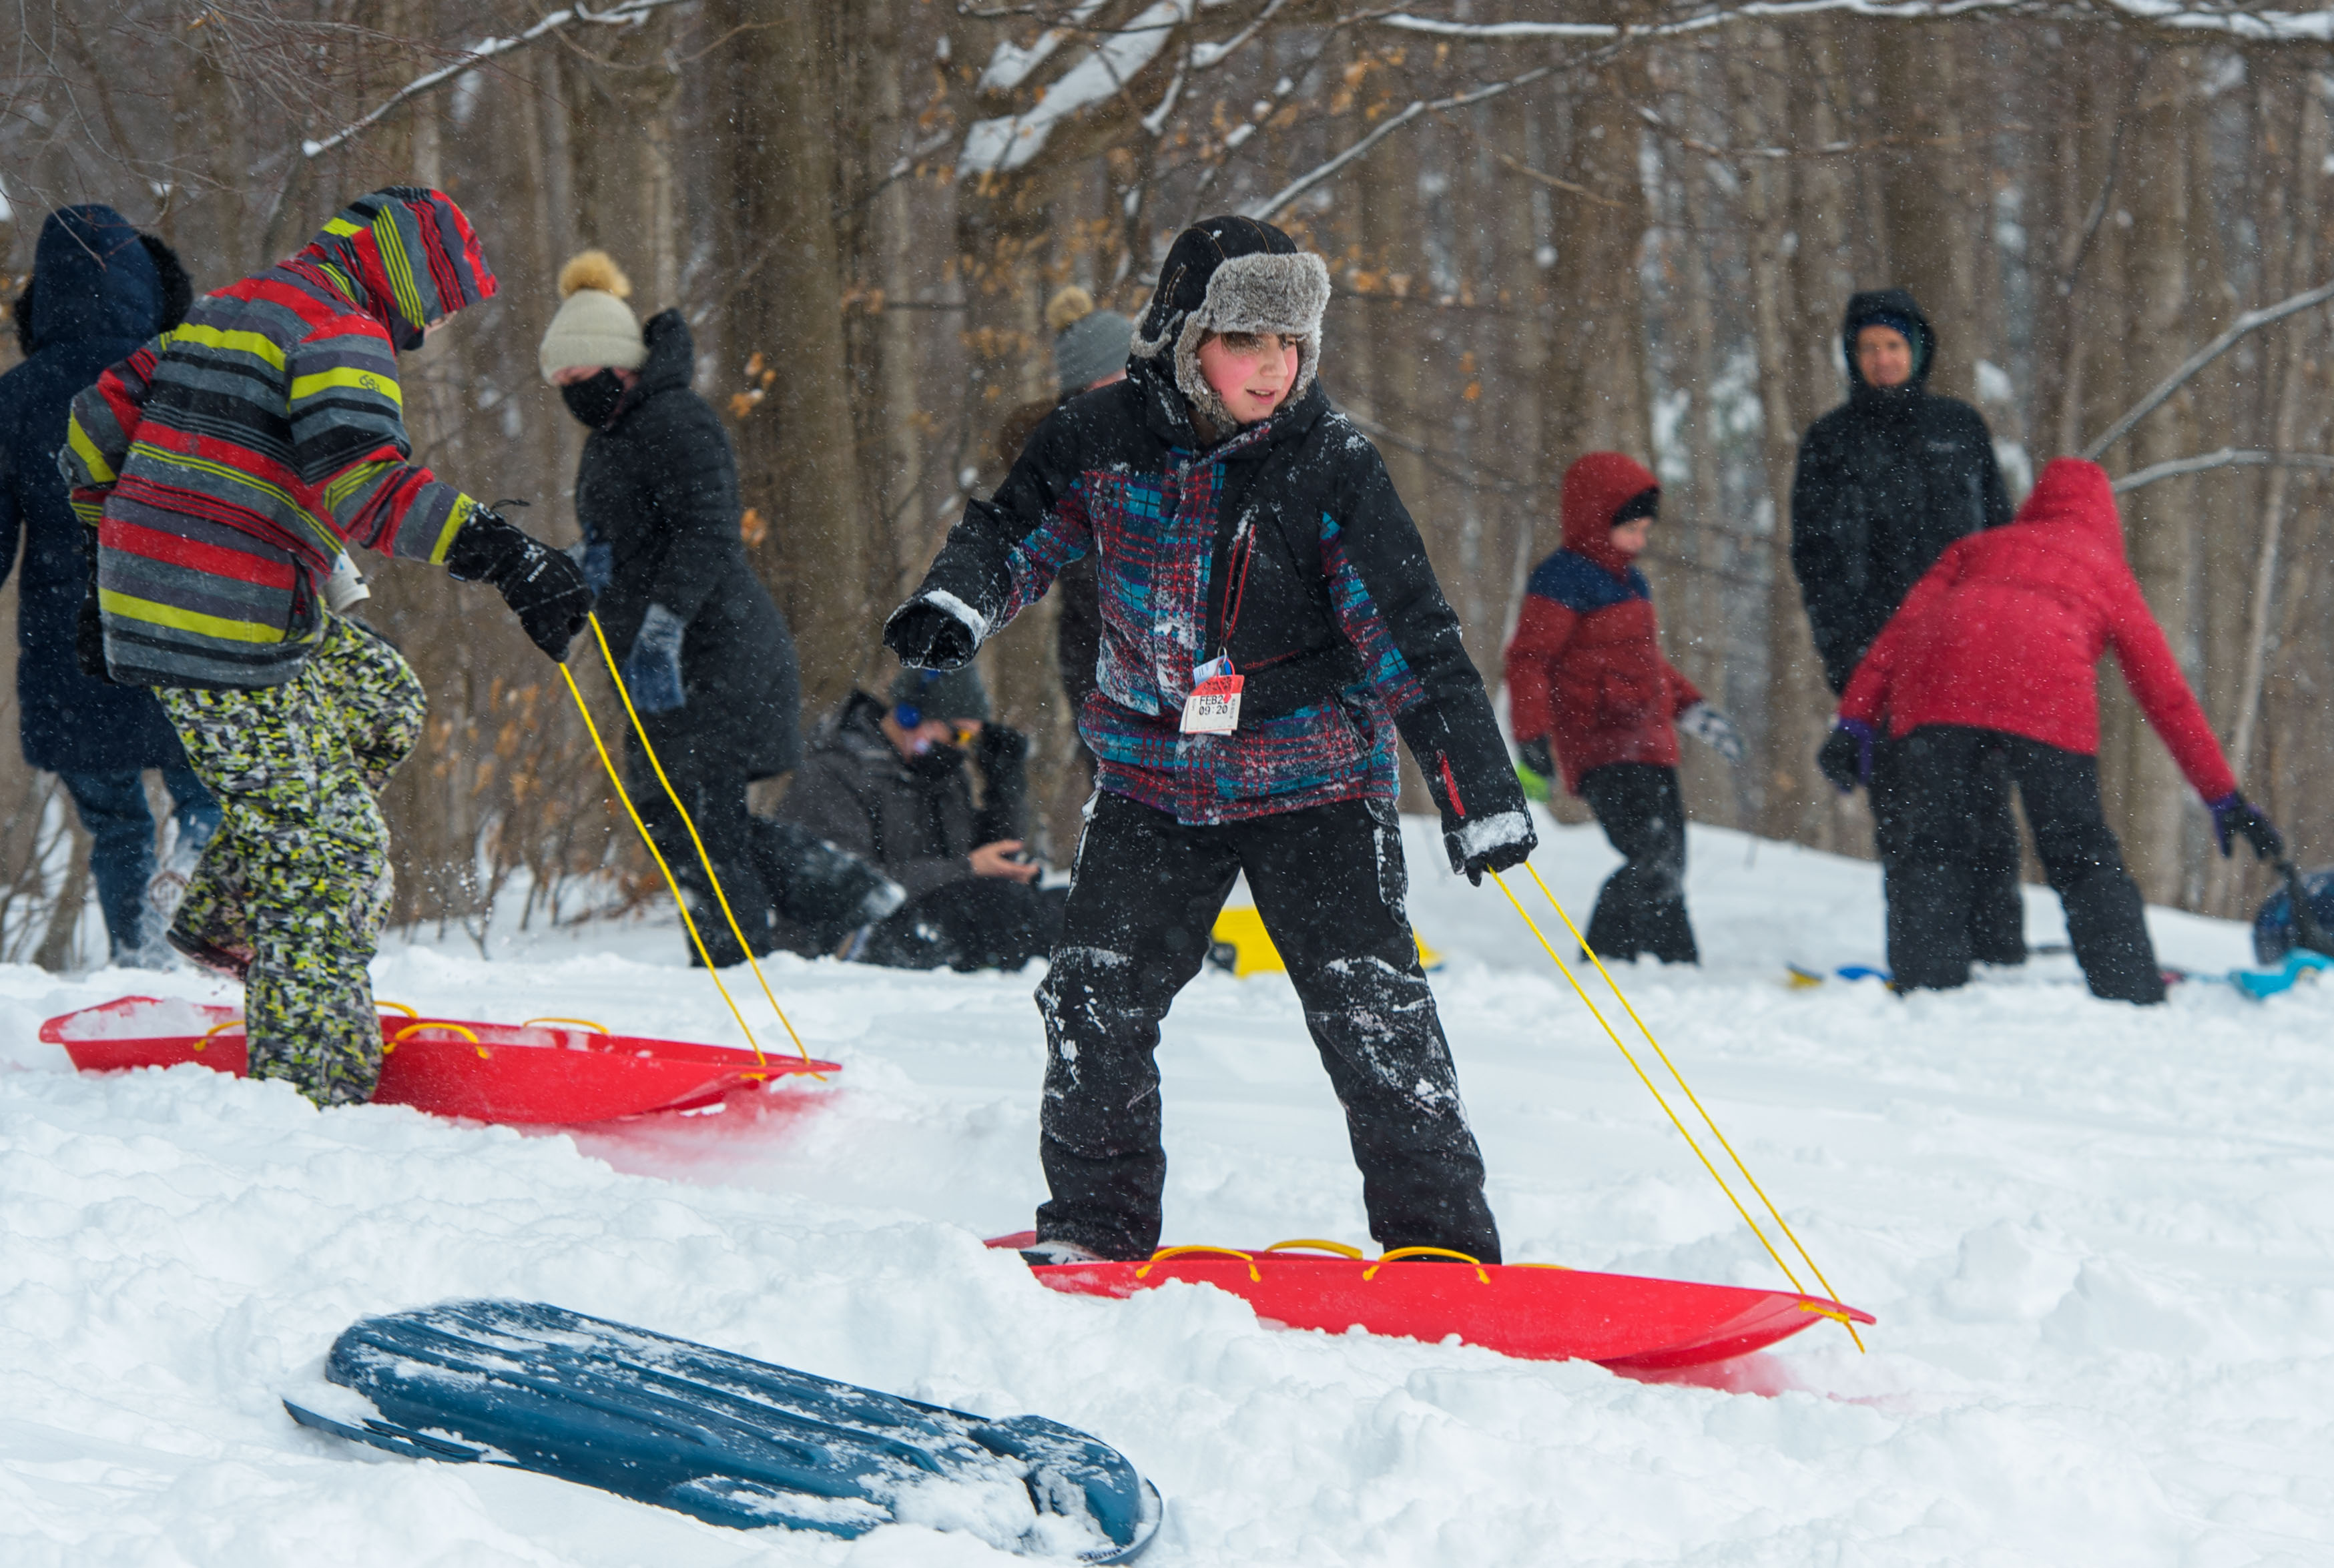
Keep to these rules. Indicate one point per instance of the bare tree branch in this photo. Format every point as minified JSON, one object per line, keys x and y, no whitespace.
{"x":622,"y":14}
{"x":2226,"y":457}
{"x":2249,"y":322}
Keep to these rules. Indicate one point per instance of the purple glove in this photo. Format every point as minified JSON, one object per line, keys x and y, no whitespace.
{"x":2233,"y":816}
{"x":1845,"y":758}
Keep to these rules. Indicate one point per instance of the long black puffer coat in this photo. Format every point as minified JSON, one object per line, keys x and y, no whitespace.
{"x":658,"y":487}
{"x":1886,"y":481}
{"x":98,"y":291}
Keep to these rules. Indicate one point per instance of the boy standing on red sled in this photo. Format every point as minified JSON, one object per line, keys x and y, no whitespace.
{"x":1993,"y":654}
{"x":1247,"y":540}
{"x":1589,"y":691}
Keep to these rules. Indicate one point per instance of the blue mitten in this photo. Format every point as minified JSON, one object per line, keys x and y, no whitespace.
{"x":652,"y":670}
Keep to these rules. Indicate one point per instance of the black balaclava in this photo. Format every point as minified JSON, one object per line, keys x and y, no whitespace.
{"x":593,"y":399}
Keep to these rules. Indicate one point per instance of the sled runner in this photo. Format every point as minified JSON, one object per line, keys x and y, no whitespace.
{"x":560,"y":1071}
{"x":728,"y":1440}
{"x":1534,"y":1312}
{"x":1238,"y":942}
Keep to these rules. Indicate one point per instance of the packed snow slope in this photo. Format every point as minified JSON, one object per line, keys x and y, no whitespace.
{"x":2099,"y":1241}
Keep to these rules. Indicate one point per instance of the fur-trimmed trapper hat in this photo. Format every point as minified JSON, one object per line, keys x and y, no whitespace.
{"x":1234,"y":274}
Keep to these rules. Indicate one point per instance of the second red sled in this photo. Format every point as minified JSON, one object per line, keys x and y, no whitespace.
{"x":1534,"y":1312}
{"x":547,"y":1070}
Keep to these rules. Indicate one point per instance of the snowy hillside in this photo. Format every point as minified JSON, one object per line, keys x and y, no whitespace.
{"x":2099,"y":1242}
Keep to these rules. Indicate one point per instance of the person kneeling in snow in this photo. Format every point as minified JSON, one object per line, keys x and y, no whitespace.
{"x":1992,"y":654}
{"x":1247,"y":537}
{"x":1586,"y":676}
{"x":889,"y":785}
{"x":226,"y":467}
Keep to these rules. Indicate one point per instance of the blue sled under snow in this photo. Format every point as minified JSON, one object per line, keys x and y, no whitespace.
{"x":731,"y":1440}
{"x":2300,"y":965}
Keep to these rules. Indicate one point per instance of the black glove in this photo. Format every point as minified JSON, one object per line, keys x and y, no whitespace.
{"x":1845,"y":756}
{"x":1480,"y":845}
{"x":927,"y":636}
{"x":543,"y":588}
{"x":89,"y":629}
{"x":2232,"y":814}
{"x":1534,"y":754}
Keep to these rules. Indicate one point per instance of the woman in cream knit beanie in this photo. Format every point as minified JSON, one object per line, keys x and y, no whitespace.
{"x":594,"y":329}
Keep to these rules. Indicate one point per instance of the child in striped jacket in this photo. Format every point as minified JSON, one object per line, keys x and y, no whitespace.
{"x":225,"y":470}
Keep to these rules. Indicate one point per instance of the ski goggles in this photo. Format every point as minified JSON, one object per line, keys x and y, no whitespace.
{"x":960,"y":730}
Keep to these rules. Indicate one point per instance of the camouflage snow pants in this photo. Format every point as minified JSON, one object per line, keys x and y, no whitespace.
{"x":298,"y":875}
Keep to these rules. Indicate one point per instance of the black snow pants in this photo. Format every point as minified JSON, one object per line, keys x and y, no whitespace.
{"x":1987,"y":841}
{"x":1642,"y":907}
{"x":978,"y":923}
{"x":1330,"y":884}
{"x":1944,"y":777}
{"x":713,"y":788}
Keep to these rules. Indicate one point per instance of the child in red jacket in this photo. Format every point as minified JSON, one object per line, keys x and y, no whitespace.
{"x":1993,"y":653}
{"x":1585,"y":677}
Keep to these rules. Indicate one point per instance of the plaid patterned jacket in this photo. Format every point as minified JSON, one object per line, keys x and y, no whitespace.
{"x":1292,"y":528}
{"x":226,"y":464}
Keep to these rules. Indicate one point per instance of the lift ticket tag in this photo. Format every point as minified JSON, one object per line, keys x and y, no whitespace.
{"x":1214,"y":705}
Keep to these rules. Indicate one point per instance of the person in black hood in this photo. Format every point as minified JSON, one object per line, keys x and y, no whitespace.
{"x":1270,"y":623}
{"x":703,"y":649}
{"x":99,"y":290}
{"x":1885,"y":483}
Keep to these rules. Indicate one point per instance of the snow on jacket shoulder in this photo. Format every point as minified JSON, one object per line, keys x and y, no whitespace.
{"x":228,"y":463}
{"x":1585,"y":667}
{"x":1336,"y":620}
{"x":2005,"y":630}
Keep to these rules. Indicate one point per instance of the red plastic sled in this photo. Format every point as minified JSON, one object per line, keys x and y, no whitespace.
{"x":561,"y":1071}
{"x":1537,"y":1312}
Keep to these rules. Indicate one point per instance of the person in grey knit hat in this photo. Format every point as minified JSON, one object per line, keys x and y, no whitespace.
{"x":1089,"y":344}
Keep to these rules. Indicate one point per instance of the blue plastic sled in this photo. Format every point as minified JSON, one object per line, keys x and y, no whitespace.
{"x":733,"y":1441}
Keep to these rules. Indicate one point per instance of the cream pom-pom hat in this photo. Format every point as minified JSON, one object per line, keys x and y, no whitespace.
{"x":593,"y":326}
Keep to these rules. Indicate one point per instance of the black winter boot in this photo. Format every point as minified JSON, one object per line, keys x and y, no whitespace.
{"x":1928,"y":927}
{"x":2107,"y":922}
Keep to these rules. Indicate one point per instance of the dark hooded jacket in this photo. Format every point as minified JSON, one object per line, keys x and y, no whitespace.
{"x":2006,"y":631}
{"x":857,"y":793}
{"x":96,"y":294}
{"x":229,"y":463}
{"x":658,"y":487}
{"x":1585,"y":668}
{"x":1886,"y":481}
{"x":1281,"y":544}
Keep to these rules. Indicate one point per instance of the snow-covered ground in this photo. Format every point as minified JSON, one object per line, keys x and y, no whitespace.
{"x":2099,"y":1241}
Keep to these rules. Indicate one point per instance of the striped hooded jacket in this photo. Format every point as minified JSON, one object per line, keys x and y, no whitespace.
{"x":228,"y":463}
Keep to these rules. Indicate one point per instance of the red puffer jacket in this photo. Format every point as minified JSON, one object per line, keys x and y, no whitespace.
{"x":2004,"y":631}
{"x":1585,"y":670}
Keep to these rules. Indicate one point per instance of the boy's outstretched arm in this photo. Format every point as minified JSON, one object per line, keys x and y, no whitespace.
{"x":999,"y":559}
{"x":1389,"y":606}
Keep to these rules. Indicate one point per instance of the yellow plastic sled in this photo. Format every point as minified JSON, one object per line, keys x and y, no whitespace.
{"x":1241,"y":944}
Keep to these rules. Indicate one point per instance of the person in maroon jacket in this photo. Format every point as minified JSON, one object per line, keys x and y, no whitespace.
{"x":1589,"y":691}
{"x":1992,"y":654}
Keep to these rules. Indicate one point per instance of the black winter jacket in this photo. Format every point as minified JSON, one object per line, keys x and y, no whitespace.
{"x":658,"y":487}
{"x":1341,"y":623}
{"x":1886,"y":481}
{"x":97,"y":296}
{"x":857,"y":793}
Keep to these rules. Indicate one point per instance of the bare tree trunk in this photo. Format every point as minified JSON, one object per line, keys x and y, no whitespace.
{"x":797,"y":460}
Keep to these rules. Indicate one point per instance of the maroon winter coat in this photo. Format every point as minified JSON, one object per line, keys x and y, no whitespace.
{"x":2005,"y":630}
{"x":1585,"y":667}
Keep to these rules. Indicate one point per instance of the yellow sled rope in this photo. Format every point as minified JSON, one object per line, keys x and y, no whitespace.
{"x":1659,"y":1099}
{"x":704,"y":859}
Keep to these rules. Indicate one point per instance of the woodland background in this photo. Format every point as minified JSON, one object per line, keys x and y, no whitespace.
{"x":1552,"y":227}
